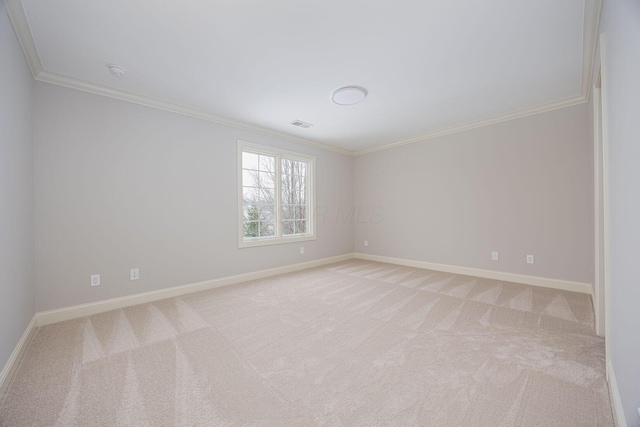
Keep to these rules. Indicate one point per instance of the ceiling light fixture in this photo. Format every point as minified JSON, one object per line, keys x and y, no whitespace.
{"x":116,"y":70}
{"x":349,"y":95}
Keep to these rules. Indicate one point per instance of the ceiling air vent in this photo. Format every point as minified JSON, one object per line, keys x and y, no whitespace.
{"x":301,"y":124}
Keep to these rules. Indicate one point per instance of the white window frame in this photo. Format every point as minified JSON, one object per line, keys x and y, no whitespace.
{"x":279,"y":154}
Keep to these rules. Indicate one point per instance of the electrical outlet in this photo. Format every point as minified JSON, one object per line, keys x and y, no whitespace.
{"x":495,"y":256}
{"x":134,"y":274}
{"x":530,"y":259}
{"x":301,"y":249}
{"x":95,"y":280}
{"x":366,"y":243}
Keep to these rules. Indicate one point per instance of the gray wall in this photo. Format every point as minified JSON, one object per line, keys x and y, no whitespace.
{"x":120,"y":185}
{"x":17,"y":283}
{"x":520,"y":187}
{"x":620,"y":22}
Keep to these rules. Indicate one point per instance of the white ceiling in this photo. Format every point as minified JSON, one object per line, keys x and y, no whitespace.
{"x":428,"y":65}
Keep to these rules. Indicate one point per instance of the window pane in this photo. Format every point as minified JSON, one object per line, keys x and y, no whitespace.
{"x":258,"y":194}
{"x":257,"y":212}
{"x":294,"y":200}
{"x":288,"y":212}
{"x":301,"y":227}
{"x":258,"y":221}
{"x":267,"y":212}
{"x":300,"y":212}
{"x":267,"y":196}
{"x":246,"y":209}
{"x":250,"y":161}
{"x":267,"y":163}
{"x":267,"y":179}
{"x":287,"y":227}
{"x":251,"y":212}
{"x":250,"y":178}
{"x":250,"y":195}
{"x":294,"y":167}
{"x":266,"y":229}
{"x":293,"y":186}
{"x":302,"y":199}
{"x":250,"y":229}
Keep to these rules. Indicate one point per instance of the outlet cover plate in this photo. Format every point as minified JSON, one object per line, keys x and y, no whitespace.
{"x":95,"y":280}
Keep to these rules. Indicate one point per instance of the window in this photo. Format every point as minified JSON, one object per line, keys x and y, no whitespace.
{"x":275,"y":195}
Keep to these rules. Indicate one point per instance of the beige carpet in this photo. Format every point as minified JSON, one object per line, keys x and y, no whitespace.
{"x":354,"y":343}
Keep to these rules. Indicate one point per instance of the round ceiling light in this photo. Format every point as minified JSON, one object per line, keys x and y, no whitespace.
{"x":116,"y":70}
{"x":349,"y":95}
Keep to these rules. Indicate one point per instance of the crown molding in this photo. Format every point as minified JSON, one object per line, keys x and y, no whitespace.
{"x":478,"y":123}
{"x":58,"y":79}
{"x":592,"y":11}
{"x":23,"y":32}
{"x":21,"y":26}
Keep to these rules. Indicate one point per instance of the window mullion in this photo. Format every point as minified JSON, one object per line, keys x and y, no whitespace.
{"x":278,"y":196}
{"x":307,"y":197}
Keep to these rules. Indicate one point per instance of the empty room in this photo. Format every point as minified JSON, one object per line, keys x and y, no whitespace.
{"x":340,"y":213}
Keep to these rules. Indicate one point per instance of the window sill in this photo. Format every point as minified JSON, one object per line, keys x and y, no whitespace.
{"x":274,"y":241}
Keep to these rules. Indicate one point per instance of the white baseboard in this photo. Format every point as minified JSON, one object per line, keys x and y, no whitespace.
{"x":14,"y":360}
{"x":487,"y":274}
{"x":614,"y":393}
{"x":73,"y":312}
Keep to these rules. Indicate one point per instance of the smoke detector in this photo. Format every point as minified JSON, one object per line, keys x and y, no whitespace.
{"x":349,"y":95}
{"x":116,"y":70}
{"x":301,"y":124}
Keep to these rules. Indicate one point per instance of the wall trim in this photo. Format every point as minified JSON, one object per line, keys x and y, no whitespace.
{"x":21,"y":27}
{"x":23,"y":32}
{"x":592,"y":11}
{"x":16,"y":356}
{"x":73,"y":312}
{"x":479,"y":123}
{"x":606,"y":194}
{"x":73,"y":83}
{"x":614,"y":395}
{"x":564,"y":285}
{"x":20,"y":24}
